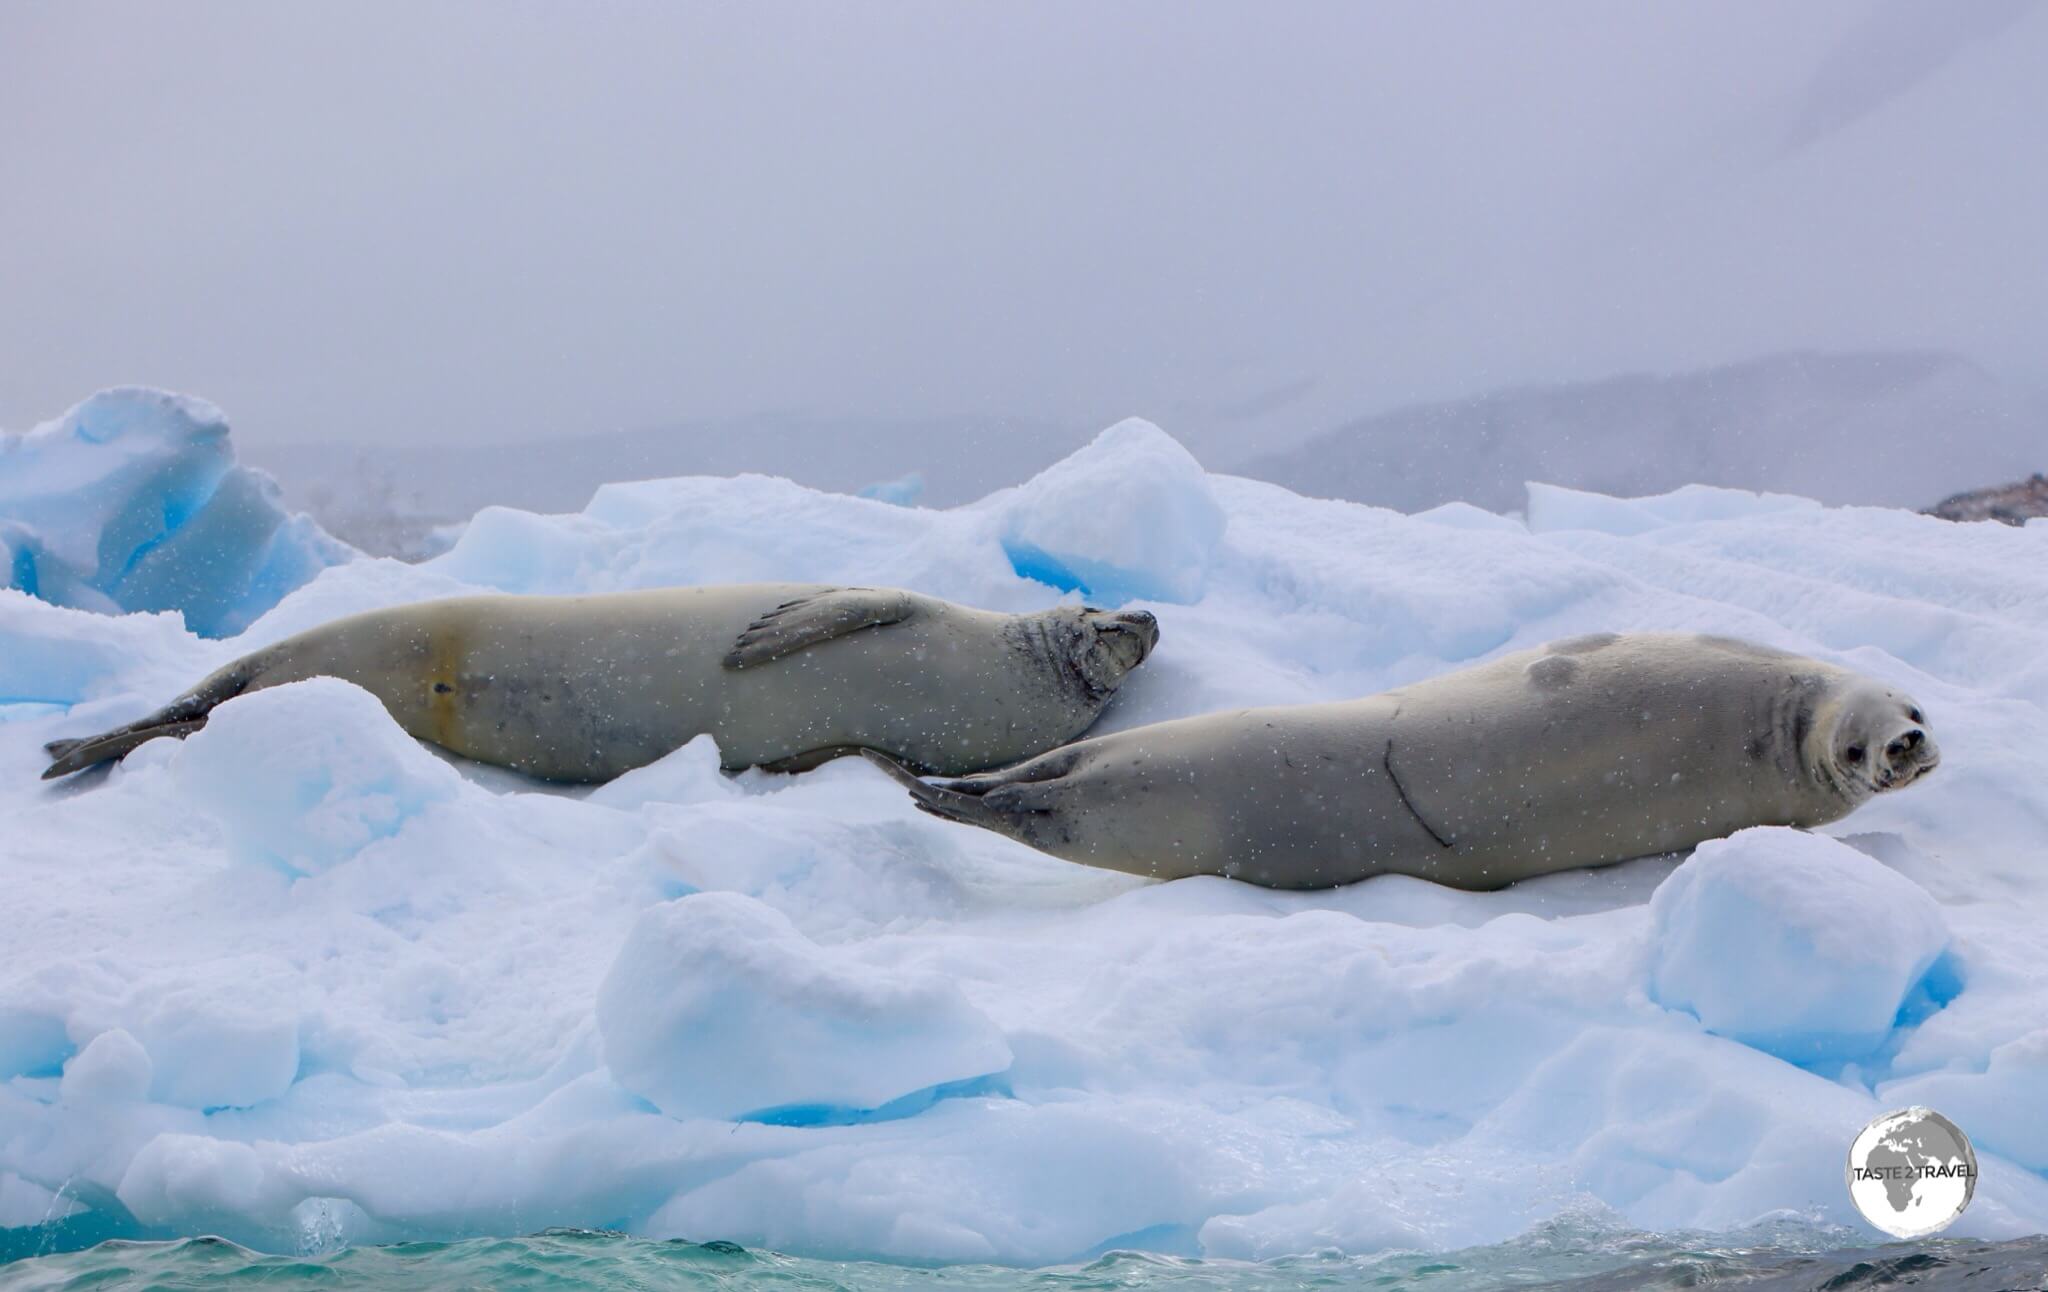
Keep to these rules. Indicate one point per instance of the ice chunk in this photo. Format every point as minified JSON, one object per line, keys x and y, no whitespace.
{"x":655,"y":533}
{"x":1463,"y":515}
{"x":718,"y":1007}
{"x":32,"y":1042}
{"x":2000,"y":1105}
{"x":1130,"y":517}
{"x":193,"y":1175}
{"x":904,"y":491}
{"x":304,"y":776}
{"x":24,"y":1204}
{"x":1554,"y":507}
{"x":687,"y":775}
{"x":225,"y":1039}
{"x":133,"y":501}
{"x":112,"y":1068}
{"x":58,"y":655}
{"x":1793,"y":943}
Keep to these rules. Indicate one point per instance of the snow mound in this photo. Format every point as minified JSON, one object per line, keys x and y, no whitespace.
{"x":719,"y":1007}
{"x":1130,"y":517}
{"x":133,"y":501}
{"x":687,"y":775}
{"x":305,"y":776}
{"x":1793,"y":943}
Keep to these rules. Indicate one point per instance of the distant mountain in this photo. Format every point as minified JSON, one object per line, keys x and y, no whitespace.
{"x":1894,"y":428}
{"x":1890,"y":428}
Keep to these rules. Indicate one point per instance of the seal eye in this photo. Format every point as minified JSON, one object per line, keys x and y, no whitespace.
{"x":1913,"y":715}
{"x":1853,"y":753}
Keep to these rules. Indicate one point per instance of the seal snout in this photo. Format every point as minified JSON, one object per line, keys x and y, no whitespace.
{"x":1124,"y":638}
{"x":1907,"y":757}
{"x":1141,"y":624}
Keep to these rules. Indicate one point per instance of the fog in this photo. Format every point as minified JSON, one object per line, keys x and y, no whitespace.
{"x":465,"y":223}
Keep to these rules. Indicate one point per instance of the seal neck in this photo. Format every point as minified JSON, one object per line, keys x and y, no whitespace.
{"x":1816,"y":723}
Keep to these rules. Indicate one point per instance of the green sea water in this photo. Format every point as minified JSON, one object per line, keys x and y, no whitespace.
{"x":1554,"y":1257}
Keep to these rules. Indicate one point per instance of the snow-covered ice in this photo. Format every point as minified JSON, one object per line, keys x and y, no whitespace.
{"x":719,"y":1007}
{"x":1795,"y":943}
{"x":300,"y":973}
{"x":1128,"y":517}
{"x":133,"y":501}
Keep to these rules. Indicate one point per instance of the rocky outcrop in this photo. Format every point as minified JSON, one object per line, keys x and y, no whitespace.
{"x":2014,"y":504}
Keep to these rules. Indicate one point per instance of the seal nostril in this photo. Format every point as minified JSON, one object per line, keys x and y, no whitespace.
{"x":1896,"y":749}
{"x":1913,"y":739}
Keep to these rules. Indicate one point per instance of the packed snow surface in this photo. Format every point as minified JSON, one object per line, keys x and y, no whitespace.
{"x":299,"y":980}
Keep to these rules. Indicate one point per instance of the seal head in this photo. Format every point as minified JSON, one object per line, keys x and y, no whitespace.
{"x":1868,"y":738}
{"x":1086,"y":652}
{"x":1122,"y":640}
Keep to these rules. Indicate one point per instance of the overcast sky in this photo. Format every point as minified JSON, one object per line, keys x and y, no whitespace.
{"x":472,"y":221}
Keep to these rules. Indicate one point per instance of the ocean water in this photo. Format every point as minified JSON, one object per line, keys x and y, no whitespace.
{"x":1565,"y":1255}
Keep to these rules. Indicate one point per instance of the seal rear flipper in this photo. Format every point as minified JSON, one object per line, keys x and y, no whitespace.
{"x":59,"y":748}
{"x":820,"y":617}
{"x":77,"y":755}
{"x":991,"y":802}
{"x":180,"y":718}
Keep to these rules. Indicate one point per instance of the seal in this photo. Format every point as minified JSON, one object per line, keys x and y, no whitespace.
{"x":1585,"y":752}
{"x":782,"y":676}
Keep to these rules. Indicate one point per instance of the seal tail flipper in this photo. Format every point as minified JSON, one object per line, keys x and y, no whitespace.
{"x":59,"y":748}
{"x":180,"y":718}
{"x":76,"y":755}
{"x":819,"y":617}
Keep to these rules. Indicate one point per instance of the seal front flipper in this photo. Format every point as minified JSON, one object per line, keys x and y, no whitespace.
{"x":820,"y":617}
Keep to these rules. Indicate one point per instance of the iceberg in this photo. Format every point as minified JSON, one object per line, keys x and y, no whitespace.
{"x":299,"y":975}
